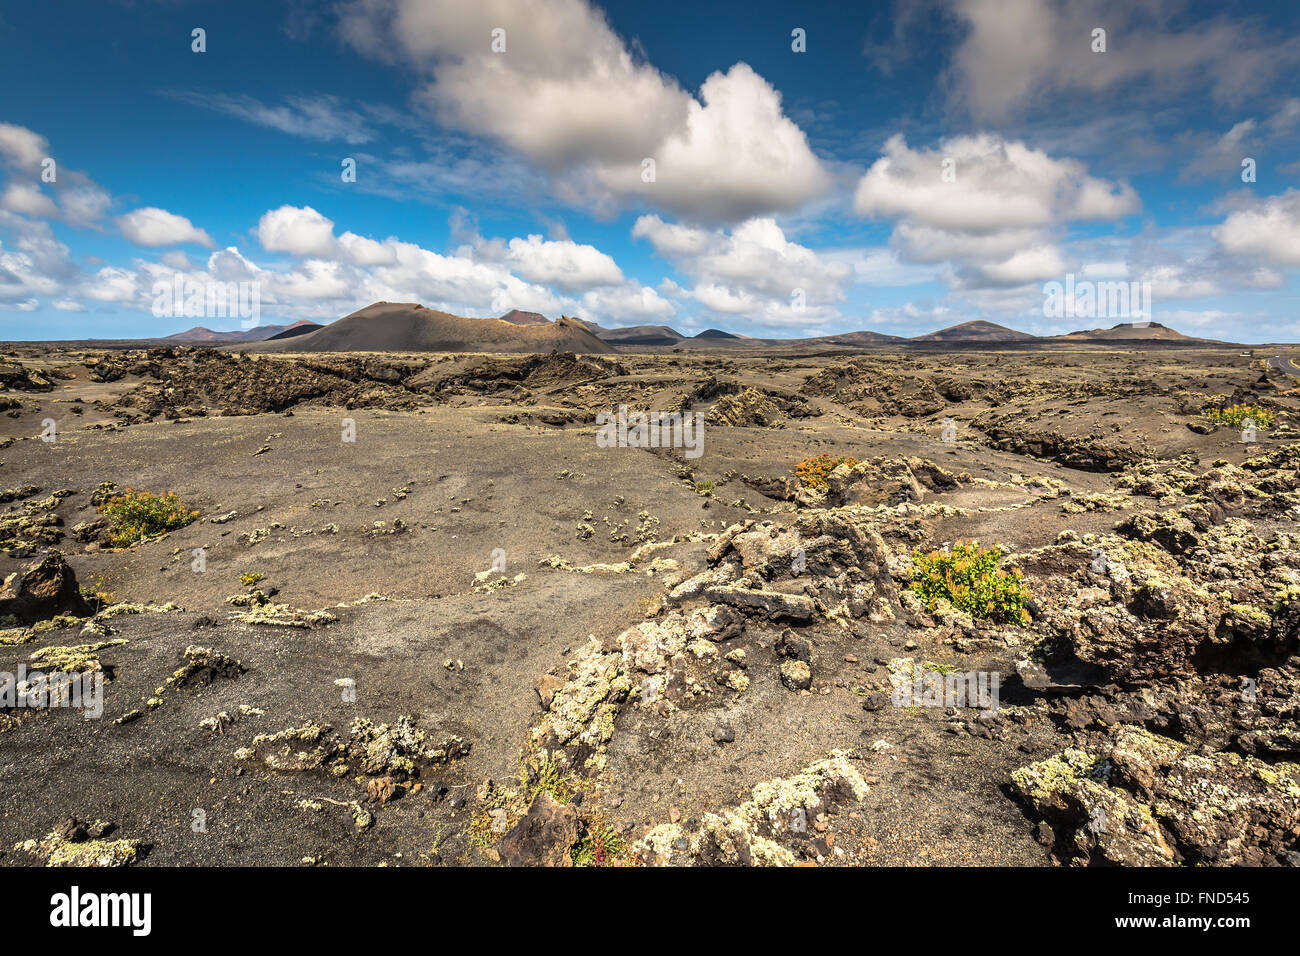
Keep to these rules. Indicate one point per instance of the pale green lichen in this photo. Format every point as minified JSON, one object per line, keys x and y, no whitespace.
{"x":751,"y":833}
{"x":261,"y":610}
{"x":73,"y":658}
{"x":1049,"y":776}
{"x":58,"y":851}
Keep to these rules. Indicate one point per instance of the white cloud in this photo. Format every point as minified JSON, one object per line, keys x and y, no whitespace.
{"x":1027,"y":265}
{"x":27,"y":198}
{"x":35,"y":265}
{"x":997,"y":184}
{"x":1267,"y":228}
{"x":23,"y":153}
{"x":319,"y":117}
{"x":151,"y":226}
{"x":992,"y":207}
{"x":1013,"y":55}
{"x":738,"y":156}
{"x":568,"y":94}
{"x":753,"y":270}
{"x":81,"y":201}
{"x":481,"y":277}
{"x":23,"y":149}
{"x":113,"y":284}
{"x":628,"y":304}
{"x":365,"y":252}
{"x":297,"y":230}
{"x":1178,"y":281}
{"x":567,"y":265}
{"x":314,"y":279}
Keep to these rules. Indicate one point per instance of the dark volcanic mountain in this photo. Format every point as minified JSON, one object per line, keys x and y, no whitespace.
{"x":410,"y":327}
{"x":642,"y":335}
{"x":715,"y":334}
{"x":301,"y":327}
{"x":201,"y":335}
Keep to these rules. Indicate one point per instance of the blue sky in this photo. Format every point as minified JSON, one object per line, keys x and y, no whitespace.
{"x":916,"y":165}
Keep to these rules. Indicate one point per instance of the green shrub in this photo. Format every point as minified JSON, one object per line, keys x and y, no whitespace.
{"x":249,"y":578}
{"x":968,"y":578}
{"x":136,"y":515}
{"x":598,"y":845}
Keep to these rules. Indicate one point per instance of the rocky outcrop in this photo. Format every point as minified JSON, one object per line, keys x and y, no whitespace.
{"x":42,"y":590}
{"x":545,"y":836}
{"x":1145,"y":800}
{"x":783,"y":820}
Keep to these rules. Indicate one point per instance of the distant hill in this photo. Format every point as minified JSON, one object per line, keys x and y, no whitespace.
{"x":715,"y":334}
{"x":1134,"y":332}
{"x":201,"y":335}
{"x":525,"y":318}
{"x":862,"y":337}
{"x":301,"y":327}
{"x":640,"y":335}
{"x":410,"y":327}
{"x":975,"y":331}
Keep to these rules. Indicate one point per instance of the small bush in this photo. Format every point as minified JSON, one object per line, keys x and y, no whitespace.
{"x":1237,"y":415}
{"x":96,"y":593}
{"x":249,"y":578}
{"x":812,"y":472}
{"x":598,"y":845}
{"x":969,"y":579}
{"x":136,"y":515}
{"x":704,"y":487}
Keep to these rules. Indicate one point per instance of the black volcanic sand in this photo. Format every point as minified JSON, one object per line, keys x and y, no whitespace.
{"x":473,"y":453}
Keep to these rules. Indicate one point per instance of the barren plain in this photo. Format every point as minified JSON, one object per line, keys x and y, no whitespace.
{"x":422,"y":618}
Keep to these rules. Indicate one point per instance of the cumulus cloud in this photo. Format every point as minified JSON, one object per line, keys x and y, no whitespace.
{"x":753,"y":270}
{"x":35,"y":263}
{"x":297,"y":230}
{"x":23,"y":149}
{"x":323,"y":275}
{"x":738,"y":156}
{"x":990,"y":206}
{"x":565,"y":264}
{"x":997,"y":184}
{"x":482,"y":272}
{"x":151,"y":226}
{"x":628,"y":304}
{"x":27,"y":198}
{"x":568,"y":94}
{"x":1266,"y":228}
